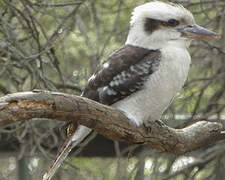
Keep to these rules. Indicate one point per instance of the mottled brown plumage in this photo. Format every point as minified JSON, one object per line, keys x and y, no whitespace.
{"x":126,"y":70}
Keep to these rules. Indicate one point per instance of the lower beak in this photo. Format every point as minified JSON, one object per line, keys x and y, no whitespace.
{"x":196,"y":32}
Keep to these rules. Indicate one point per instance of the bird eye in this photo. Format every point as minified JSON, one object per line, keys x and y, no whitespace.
{"x":190,"y":26}
{"x":172,"y":22}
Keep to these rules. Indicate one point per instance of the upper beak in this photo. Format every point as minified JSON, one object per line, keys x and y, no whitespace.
{"x":196,"y":32}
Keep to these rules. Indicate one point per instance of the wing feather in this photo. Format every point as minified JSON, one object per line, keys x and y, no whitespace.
{"x":122,"y":74}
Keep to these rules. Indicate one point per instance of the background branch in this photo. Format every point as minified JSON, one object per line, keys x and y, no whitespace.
{"x":55,"y":45}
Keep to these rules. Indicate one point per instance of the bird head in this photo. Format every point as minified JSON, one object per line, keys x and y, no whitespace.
{"x":157,"y":24}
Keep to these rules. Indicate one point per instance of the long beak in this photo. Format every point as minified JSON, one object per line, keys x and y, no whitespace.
{"x":196,"y":32}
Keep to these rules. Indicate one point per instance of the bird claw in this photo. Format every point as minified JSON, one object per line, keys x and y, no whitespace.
{"x":147,"y":126}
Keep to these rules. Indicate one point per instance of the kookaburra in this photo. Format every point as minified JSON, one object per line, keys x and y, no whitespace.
{"x":141,"y":78}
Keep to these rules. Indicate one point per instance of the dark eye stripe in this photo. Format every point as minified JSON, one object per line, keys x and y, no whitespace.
{"x":171,"y":23}
{"x":151,"y":25}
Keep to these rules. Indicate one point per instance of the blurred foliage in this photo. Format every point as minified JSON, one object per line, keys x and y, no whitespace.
{"x":57,"y":44}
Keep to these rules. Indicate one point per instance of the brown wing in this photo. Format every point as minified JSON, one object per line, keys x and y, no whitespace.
{"x":122,"y":74}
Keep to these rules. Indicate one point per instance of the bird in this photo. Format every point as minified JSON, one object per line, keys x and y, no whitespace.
{"x":141,"y":78}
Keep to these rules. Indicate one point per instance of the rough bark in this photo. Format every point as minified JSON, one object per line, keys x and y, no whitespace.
{"x":106,"y":121}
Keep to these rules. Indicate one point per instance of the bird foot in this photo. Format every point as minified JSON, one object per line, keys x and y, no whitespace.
{"x":147,"y":126}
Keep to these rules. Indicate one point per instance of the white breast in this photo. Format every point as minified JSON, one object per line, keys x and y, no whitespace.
{"x":159,"y":90}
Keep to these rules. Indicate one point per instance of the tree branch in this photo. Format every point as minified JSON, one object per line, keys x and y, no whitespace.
{"x":106,"y":121}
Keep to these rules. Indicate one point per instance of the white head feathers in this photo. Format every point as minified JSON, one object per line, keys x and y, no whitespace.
{"x":161,"y":36}
{"x":160,"y":11}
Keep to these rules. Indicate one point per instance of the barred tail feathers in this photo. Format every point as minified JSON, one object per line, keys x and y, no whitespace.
{"x":73,"y":141}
